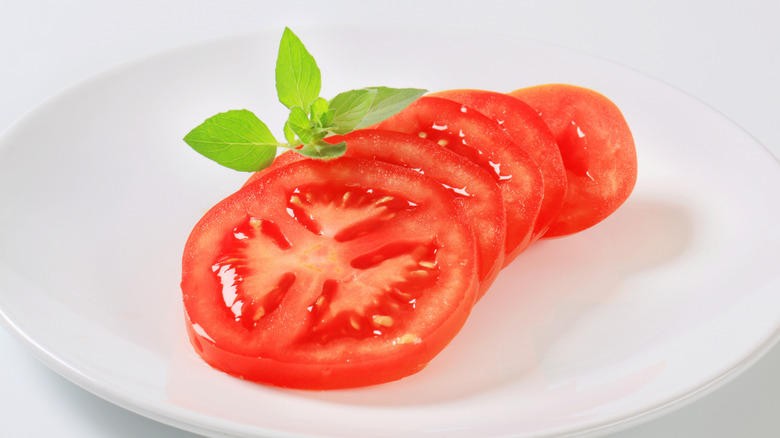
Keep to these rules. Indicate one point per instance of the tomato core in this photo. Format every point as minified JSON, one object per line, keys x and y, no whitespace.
{"x":340,"y":310}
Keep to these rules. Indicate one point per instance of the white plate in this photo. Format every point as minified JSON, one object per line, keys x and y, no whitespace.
{"x":671,"y":296}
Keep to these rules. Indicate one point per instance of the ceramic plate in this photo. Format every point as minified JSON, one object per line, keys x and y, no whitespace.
{"x":668,"y":298}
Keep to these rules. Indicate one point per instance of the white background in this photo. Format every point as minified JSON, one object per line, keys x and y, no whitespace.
{"x":725,"y":53}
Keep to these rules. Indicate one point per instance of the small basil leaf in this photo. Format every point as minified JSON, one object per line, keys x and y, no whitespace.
{"x":289,"y":134}
{"x":300,"y":124}
{"x":318,"y":108}
{"x":236,"y":139}
{"x":327,"y":119}
{"x":298,"y":78}
{"x":321,"y":149}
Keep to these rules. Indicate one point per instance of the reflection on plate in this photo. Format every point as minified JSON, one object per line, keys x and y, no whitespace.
{"x":669,"y":297}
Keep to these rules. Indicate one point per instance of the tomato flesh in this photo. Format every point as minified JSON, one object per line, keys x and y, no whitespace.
{"x":530,"y":133}
{"x":329,"y":274}
{"x":597,"y":148}
{"x":482,"y":141}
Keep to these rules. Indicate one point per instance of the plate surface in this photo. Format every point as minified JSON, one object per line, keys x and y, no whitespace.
{"x":671,"y":296}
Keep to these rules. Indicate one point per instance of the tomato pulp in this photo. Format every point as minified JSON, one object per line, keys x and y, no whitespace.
{"x":329,"y":274}
{"x":479,"y":139}
{"x":597,"y":149}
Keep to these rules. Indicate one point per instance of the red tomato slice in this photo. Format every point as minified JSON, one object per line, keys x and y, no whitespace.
{"x":597,"y":148}
{"x":329,"y":274}
{"x":529,"y":132}
{"x":472,"y":187}
{"x":481,"y":140}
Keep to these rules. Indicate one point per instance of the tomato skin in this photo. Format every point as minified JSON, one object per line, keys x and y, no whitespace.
{"x":317,"y":376}
{"x":478,"y":195}
{"x":529,"y":132}
{"x":481,"y":140}
{"x":597,"y":148}
{"x":278,"y":347}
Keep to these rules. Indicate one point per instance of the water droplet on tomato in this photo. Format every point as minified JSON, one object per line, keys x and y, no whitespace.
{"x":497,"y":169}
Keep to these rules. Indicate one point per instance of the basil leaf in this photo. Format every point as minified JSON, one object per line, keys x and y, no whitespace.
{"x":289,"y":134}
{"x":357,"y":109}
{"x":327,"y":119}
{"x":318,"y":108}
{"x":236,"y":139}
{"x":388,"y":102}
{"x":300,"y":124}
{"x":298,"y":78}
{"x":321,"y":149}
{"x":350,"y":108}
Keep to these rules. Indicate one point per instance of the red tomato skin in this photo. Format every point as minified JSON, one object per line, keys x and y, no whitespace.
{"x":483,"y":205}
{"x":481,"y":140}
{"x":597,"y":148}
{"x":307,"y":376}
{"x":269,"y":353}
{"x":531,"y":134}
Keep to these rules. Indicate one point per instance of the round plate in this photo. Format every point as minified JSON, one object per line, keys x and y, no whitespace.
{"x":669,"y":297}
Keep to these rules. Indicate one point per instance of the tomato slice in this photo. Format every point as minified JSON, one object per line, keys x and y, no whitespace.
{"x":472,"y":187}
{"x":597,"y":148}
{"x":481,"y":140}
{"x":529,"y":132}
{"x":329,"y":274}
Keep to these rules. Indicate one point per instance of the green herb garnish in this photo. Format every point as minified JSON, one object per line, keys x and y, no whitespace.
{"x":239,"y":140}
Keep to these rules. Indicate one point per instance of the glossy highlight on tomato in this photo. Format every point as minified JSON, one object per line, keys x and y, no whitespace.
{"x":329,"y":274}
{"x":479,"y":139}
{"x":597,"y":148}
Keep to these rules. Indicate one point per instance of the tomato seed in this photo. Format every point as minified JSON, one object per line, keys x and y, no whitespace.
{"x":408,"y":339}
{"x":383,"y":200}
{"x":383,"y":320}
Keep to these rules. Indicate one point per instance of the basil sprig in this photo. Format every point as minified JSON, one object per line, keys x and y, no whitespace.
{"x":240,"y":140}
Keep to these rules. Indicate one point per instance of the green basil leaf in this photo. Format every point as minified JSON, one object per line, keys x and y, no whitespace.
{"x":388,"y":102}
{"x":357,"y":109}
{"x":318,"y":108}
{"x":298,"y":78}
{"x":321,"y":149}
{"x":350,"y":108}
{"x":289,"y":134}
{"x":327,"y":119}
{"x":236,"y":139}
{"x":300,"y":124}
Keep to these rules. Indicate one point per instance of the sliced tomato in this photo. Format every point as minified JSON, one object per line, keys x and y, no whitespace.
{"x":481,"y":140}
{"x":529,"y":132}
{"x":472,"y":187}
{"x":329,"y":274}
{"x":597,"y":148}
